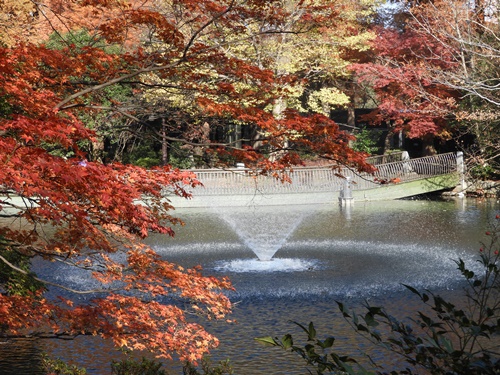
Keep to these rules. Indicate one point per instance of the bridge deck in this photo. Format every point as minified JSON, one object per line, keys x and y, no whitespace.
{"x":394,"y":180}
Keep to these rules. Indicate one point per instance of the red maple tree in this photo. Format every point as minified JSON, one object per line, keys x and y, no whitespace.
{"x":401,"y":73}
{"x":58,"y":206}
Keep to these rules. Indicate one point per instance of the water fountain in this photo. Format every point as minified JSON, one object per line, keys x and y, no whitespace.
{"x":324,"y":251}
{"x":321,"y":251}
{"x":264,"y":230}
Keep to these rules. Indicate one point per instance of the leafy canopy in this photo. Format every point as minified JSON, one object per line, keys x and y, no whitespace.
{"x":59,"y":205}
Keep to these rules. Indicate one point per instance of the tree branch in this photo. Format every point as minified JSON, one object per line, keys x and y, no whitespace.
{"x":55,"y":284}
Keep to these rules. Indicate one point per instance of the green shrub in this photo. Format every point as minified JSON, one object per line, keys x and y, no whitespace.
{"x":366,"y":141}
{"x":134,"y":367}
{"x":147,"y":162}
{"x":206,"y":368}
{"x":143,"y":156}
{"x":59,"y":367}
{"x":483,"y":172}
{"x":179,"y":157}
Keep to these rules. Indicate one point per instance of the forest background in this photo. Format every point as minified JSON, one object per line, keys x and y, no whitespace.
{"x":101,"y":101}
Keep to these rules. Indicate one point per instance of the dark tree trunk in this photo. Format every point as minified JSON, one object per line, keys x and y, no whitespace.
{"x":164,"y":143}
{"x":428,"y":148}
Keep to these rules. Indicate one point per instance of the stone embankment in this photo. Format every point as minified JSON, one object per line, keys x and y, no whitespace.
{"x":486,"y":189}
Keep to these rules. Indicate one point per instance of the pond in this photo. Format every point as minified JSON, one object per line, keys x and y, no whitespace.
{"x":291,"y":264}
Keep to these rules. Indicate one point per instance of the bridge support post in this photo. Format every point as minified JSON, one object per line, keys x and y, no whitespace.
{"x":461,"y":170}
{"x":345,"y":197}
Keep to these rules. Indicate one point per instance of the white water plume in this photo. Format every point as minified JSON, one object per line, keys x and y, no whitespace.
{"x":276,"y":265}
{"x":264,"y":232}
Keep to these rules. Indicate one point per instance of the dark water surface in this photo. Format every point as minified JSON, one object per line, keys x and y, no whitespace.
{"x":319,"y":254}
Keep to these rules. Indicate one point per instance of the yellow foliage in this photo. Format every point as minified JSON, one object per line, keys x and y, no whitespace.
{"x":16,"y":20}
{"x":313,"y":51}
{"x":322,"y":100}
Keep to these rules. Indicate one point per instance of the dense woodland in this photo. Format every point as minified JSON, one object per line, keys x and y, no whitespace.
{"x":412,"y":71}
{"x":102,"y":100}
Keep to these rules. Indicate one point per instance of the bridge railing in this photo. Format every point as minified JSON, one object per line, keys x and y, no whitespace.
{"x":416,"y":169}
{"x":241,"y":181}
{"x":387,"y":158}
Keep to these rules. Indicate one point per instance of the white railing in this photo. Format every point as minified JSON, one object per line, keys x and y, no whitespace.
{"x":322,"y":179}
{"x":387,"y":158}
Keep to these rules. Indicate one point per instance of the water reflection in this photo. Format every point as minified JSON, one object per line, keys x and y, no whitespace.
{"x":331,"y":254}
{"x":19,"y":357}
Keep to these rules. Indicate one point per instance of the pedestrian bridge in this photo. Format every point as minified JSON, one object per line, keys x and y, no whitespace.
{"x":397,"y":176}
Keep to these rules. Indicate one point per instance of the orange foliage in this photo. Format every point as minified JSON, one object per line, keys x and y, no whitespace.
{"x":16,"y":19}
{"x":93,"y":215}
{"x":404,"y":75}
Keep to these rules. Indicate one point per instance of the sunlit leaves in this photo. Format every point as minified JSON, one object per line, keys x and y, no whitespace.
{"x":409,"y":99}
{"x":16,"y":19}
{"x":88,"y":215}
{"x":195,"y":60}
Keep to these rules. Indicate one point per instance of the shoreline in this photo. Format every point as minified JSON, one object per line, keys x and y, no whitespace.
{"x":476,"y":189}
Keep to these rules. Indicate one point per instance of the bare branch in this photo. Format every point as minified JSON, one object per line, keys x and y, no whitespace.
{"x":55,"y":284}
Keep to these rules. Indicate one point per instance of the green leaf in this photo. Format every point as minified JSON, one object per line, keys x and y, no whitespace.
{"x":343,"y":310}
{"x":309,"y":349}
{"x":328,"y":343}
{"x":370,"y":320}
{"x":425,"y":297}
{"x":446,"y":344}
{"x":413,"y":290}
{"x":361,"y":327}
{"x":312,"y":331}
{"x":267,"y":340}
{"x":287,"y":341}
{"x":375,"y":310}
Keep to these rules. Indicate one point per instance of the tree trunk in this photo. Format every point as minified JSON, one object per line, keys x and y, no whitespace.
{"x":279,"y":107}
{"x":164,"y":143}
{"x":351,"y":115}
{"x":428,"y":148}
{"x":97,"y":153}
{"x":387,"y":139}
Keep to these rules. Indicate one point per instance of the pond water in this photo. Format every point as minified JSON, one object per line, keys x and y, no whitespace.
{"x":312,"y":257}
